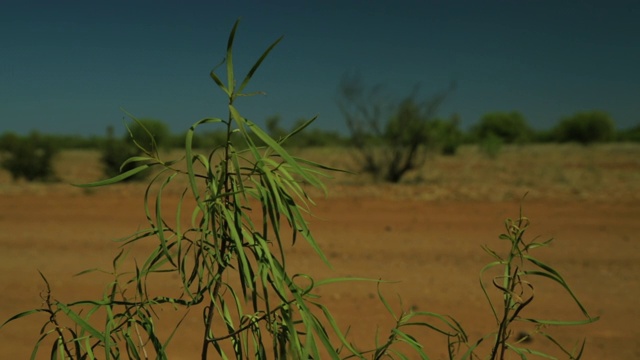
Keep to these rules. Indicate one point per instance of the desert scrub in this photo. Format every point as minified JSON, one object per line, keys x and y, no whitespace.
{"x":222,"y":250}
{"x":114,"y":154}
{"x":28,"y":157}
{"x":586,"y":128}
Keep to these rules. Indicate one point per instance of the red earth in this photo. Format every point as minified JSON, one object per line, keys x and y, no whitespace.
{"x":432,"y":248}
{"x":423,"y":236}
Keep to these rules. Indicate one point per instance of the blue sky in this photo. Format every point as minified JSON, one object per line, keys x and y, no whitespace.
{"x":68,"y":67}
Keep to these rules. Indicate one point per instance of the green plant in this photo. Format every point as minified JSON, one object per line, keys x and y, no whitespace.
{"x":514,"y":269}
{"x":223,"y":250}
{"x":29,"y":157}
{"x":227,"y":265}
{"x":586,"y":128}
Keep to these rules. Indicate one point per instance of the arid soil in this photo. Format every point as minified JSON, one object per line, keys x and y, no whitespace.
{"x":423,"y":236}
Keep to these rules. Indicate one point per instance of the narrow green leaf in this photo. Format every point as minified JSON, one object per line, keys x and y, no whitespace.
{"x":484,"y":289}
{"x":445,"y":319}
{"x":81,"y":322}
{"x":138,"y":159}
{"x":217,"y":80}
{"x":160,"y":221}
{"x":522,"y":351}
{"x":190,"y":159}
{"x":237,"y":239}
{"x":257,"y":64}
{"x":21,"y":315}
{"x":132,"y":348}
{"x":417,"y":347}
{"x":230,"y":76}
{"x":562,"y":322}
{"x":107,"y":331}
{"x":321,"y":166}
{"x":291,"y":161}
{"x":36,"y":347}
{"x":336,"y":329}
{"x":555,"y":276}
{"x":386,"y":304}
{"x":115,"y":179}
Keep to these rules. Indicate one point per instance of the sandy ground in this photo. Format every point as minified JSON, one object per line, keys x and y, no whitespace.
{"x":428,"y":241}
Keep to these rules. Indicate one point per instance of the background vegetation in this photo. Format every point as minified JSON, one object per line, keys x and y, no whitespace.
{"x":30,"y":156}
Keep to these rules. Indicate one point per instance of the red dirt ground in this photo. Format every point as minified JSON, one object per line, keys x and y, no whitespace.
{"x":426,"y":233}
{"x":431,"y":247}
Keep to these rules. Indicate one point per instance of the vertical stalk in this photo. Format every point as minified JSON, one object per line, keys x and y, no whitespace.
{"x":223,"y":246}
{"x":508,"y":288}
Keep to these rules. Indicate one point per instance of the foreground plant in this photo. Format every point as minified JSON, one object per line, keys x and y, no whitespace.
{"x":228,"y":266}
{"x":221,"y":253}
{"x":515,"y":285}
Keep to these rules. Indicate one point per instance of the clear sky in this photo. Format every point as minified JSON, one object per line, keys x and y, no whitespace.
{"x":68,"y":67}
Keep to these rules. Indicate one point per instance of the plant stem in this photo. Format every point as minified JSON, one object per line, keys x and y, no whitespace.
{"x":508,"y":288}
{"x":223,"y":246}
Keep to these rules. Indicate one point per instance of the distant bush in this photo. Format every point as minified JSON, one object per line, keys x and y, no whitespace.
{"x":631,"y":134}
{"x":62,"y":142}
{"x":390,"y":137}
{"x":491,"y":145}
{"x":586,"y":128}
{"x":446,"y":135}
{"x":9,"y":141}
{"x":314,"y":137}
{"x":75,"y":141}
{"x":510,"y":127}
{"x":150,"y":134}
{"x":114,"y":153}
{"x":273,"y":127}
{"x":29,"y":157}
{"x":205,"y":140}
{"x":543,"y":136}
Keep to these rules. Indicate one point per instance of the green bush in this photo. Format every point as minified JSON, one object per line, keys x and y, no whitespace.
{"x":75,"y":141}
{"x":312,"y":137}
{"x":29,"y":158}
{"x":9,"y":141}
{"x":631,"y":134}
{"x":544,"y":136}
{"x":510,"y":127}
{"x":446,"y":135}
{"x":204,"y":140}
{"x":274,"y":127}
{"x":115,"y":152}
{"x":144,"y":137}
{"x":491,"y":145}
{"x":586,"y":128}
{"x":149,"y":134}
